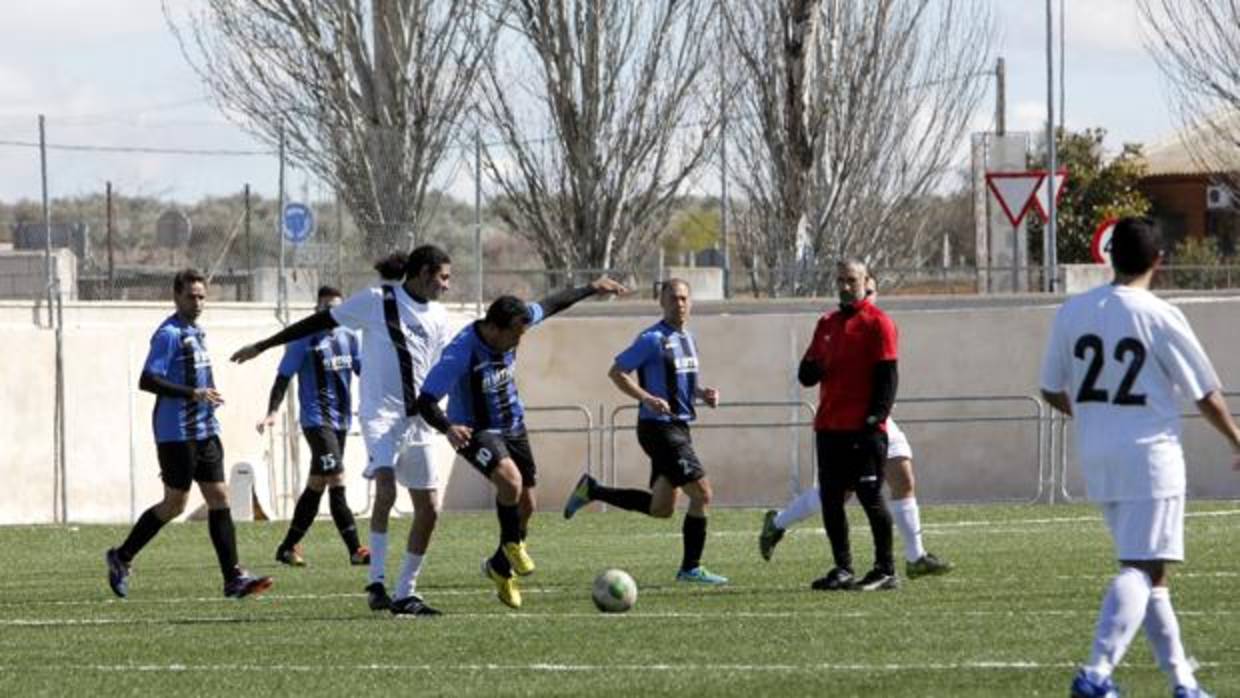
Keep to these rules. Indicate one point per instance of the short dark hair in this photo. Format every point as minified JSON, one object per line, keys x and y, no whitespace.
{"x":329,"y":292}
{"x":186,"y":277}
{"x":672,"y":282}
{"x":507,"y":311}
{"x":1136,"y":244}
{"x":425,"y":256}
{"x":392,"y":267}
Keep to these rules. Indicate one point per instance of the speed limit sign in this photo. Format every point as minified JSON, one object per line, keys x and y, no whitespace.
{"x":1100,"y":248}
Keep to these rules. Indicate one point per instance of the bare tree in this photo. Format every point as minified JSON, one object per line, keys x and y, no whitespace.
{"x":368,"y":95}
{"x":849,"y":117}
{"x":601,"y":114}
{"x":1196,"y":43}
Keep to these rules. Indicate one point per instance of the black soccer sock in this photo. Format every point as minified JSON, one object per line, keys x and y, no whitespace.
{"x":499,"y":562}
{"x":835,"y":521}
{"x":870,"y":494}
{"x":694,"y":534}
{"x":509,"y":522}
{"x":224,"y":538}
{"x":142,"y":532}
{"x":343,"y":516}
{"x":629,"y":500}
{"x":303,"y":517}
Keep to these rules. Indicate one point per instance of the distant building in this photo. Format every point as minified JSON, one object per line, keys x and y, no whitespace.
{"x":33,"y":236}
{"x":1191,"y":199}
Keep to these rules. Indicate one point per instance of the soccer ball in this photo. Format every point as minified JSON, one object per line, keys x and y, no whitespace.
{"x":614,"y":591}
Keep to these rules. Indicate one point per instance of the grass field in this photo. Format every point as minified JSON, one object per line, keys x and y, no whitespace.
{"x":1013,"y":619}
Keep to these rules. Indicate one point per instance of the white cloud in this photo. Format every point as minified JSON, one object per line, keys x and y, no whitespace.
{"x":68,"y":20}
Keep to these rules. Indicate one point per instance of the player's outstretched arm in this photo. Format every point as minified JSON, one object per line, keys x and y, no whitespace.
{"x":561,"y":300}
{"x":305,"y":327}
{"x":1214,"y":408}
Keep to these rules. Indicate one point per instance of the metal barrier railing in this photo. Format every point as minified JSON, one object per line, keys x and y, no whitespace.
{"x":1045,"y":473}
{"x":1060,"y":456}
{"x":794,"y":475}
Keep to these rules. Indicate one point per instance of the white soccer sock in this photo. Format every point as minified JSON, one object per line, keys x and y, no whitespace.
{"x":907,"y":517}
{"x":1123,"y":609}
{"x":378,"y":556}
{"x":804,"y":506}
{"x":1162,"y":629}
{"x":410,"y":566}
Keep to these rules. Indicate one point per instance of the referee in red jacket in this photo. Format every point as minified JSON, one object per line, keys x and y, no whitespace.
{"x":852,"y":360}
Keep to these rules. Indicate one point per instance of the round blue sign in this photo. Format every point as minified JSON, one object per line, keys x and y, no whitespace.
{"x":297,"y":222}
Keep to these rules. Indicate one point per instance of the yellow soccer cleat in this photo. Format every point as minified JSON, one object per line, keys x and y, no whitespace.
{"x":505,"y":587}
{"x":519,"y":558}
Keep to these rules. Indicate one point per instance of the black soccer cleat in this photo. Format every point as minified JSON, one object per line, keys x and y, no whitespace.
{"x":770,"y":535}
{"x":118,"y":573}
{"x":412,"y":605}
{"x":377,"y":597}
{"x":245,"y":584}
{"x":837,"y":579}
{"x":927,"y":564}
{"x":877,"y":580}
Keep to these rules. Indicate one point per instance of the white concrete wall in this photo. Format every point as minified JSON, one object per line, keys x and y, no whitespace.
{"x":946,"y":350}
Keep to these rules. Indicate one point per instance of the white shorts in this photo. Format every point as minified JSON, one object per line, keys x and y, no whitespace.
{"x":897,"y":442}
{"x":1147,"y":529}
{"x":405,"y":446}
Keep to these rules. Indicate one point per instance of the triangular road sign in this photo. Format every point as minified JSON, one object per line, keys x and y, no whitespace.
{"x":1061,"y":177}
{"x":1015,"y":191}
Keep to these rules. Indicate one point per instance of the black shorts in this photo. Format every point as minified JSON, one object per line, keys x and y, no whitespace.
{"x":670,"y":448}
{"x":849,"y":458}
{"x":326,"y":450}
{"x":486,"y":449}
{"x":182,"y":463}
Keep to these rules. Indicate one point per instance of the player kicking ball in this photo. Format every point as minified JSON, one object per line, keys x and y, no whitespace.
{"x":665,"y":359}
{"x":918,"y":562}
{"x":1119,"y":361}
{"x":485,"y":421}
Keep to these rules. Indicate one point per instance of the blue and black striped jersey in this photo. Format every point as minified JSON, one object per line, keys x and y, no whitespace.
{"x":179,"y":355}
{"x":324,"y":363}
{"x":666,"y":362}
{"x":481,"y":383}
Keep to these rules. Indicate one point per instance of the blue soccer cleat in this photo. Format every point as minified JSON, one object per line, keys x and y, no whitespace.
{"x":1083,"y":687}
{"x":701,"y":575}
{"x":118,"y":573}
{"x":1184,"y":692}
{"x":580,"y":495}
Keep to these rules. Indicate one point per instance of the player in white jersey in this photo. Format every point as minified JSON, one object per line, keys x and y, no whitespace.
{"x":903,"y":505}
{"x":404,"y":330}
{"x":1120,"y":361}
{"x":898,"y":473}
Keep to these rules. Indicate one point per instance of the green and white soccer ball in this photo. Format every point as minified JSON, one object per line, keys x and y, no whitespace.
{"x":614,"y":591}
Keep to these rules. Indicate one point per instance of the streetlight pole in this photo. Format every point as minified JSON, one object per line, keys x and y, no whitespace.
{"x":1049,"y":234}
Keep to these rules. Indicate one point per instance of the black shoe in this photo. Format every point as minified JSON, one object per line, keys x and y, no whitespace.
{"x":377,"y":597}
{"x":927,"y":564}
{"x":877,"y":580}
{"x":118,"y":573}
{"x":245,"y":584}
{"x":838,"y":578}
{"x":770,"y":535}
{"x":412,"y":606}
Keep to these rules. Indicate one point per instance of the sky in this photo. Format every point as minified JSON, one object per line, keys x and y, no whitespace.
{"x":109,"y":73}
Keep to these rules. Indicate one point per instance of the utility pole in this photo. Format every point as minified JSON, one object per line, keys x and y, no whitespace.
{"x":111,"y":267}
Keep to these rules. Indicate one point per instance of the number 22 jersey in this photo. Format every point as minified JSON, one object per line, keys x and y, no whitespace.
{"x":1127,"y":361}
